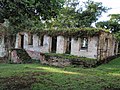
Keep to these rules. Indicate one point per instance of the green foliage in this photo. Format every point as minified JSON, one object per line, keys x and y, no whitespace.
{"x":91,"y":14}
{"x":24,"y":14}
{"x":71,"y":32}
{"x":74,"y":15}
{"x":117,"y":36}
{"x":115,"y":17}
{"x":106,"y":76}
{"x":113,"y":24}
{"x":32,"y":15}
{"x":2,"y":29}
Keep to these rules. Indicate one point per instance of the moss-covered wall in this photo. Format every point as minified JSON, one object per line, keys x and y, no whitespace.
{"x":107,"y":46}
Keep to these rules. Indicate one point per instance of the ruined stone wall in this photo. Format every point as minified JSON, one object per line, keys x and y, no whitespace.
{"x":107,"y":46}
{"x":2,"y":47}
{"x":99,"y":47}
{"x":34,"y":49}
{"x":17,"y":41}
{"x":14,"y":57}
{"x":61,"y":44}
{"x":117,"y":43}
{"x":54,"y":61}
{"x":33,"y":54}
{"x":90,"y":52}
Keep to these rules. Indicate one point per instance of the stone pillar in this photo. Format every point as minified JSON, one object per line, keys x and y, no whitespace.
{"x":25,"y":40}
{"x":116,"y":48}
{"x":2,"y":47}
{"x":47,"y":42}
{"x":75,"y":44}
{"x":17,"y":41}
{"x":92,"y":47}
{"x":60,"y":45}
{"x":35,"y":40}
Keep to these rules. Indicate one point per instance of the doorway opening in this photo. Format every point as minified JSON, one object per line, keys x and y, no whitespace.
{"x":68,"y":48}
{"x":54,"y":44}
{"x":22,"y":41}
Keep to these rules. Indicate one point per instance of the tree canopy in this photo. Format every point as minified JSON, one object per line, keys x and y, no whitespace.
{"x":25,"y":13}
{"x":113,"y":24}
{"x":74,"y":15}
{"x":39,"y":14}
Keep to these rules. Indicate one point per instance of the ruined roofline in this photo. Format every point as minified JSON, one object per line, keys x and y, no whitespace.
{"x":70,"y":32}
{"x":66,"y":32}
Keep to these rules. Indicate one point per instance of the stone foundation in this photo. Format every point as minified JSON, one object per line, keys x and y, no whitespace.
{"x":54,"y":61}
{"x":19,"y":56}
{"x":14,"y":57}
{"x":62,"y":61}
{"x":34,"y":54}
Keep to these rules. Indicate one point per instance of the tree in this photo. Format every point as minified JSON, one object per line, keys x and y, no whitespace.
{"x":91,"y":14}
{"x":113,"y":24}
{"x":72,"y":15}
{"x":24,"y":14}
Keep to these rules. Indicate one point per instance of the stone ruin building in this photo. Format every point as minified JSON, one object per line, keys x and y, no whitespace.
{"x":100,"y":45}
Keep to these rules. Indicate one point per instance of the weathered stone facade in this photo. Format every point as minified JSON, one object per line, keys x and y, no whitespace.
{"x":35,"y":48}
{"x":90,"y":51}
{"x":98,"y":47}
{"x":2,"y":46}
{"x":55,"y":61}
{"x":107,"y":46}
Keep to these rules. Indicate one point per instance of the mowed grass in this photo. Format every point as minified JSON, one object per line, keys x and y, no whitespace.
{"x":42,"y":77}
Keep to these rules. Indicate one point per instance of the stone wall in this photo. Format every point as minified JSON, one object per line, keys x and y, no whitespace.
{"x":54,"y":61}
{"x":19,"y":56}
{"x":107,"y":46}
{"x":34,"y":49}
{"x":61,"y":44}
{"x":90,"y":52}
{"x":97,"y":45}
{"x":2,"y":47}
{"x":36,"y":43}
{"x":14,"y":57}
{"x":61,"y":60}
{"x":33,"y":54}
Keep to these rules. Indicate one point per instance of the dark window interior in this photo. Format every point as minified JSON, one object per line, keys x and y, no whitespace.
{"x":22,"y":41}
{"x":41,"y":39}
{"x":54,"y":44}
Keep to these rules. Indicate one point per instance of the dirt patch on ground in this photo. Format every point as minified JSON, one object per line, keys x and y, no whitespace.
{"x":23,"y":82}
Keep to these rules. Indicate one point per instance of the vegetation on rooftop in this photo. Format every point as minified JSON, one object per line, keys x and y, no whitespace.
{"x":72,"y":32}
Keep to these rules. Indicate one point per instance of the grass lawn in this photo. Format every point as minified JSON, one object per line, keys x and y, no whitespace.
{"x":42,"y":77}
